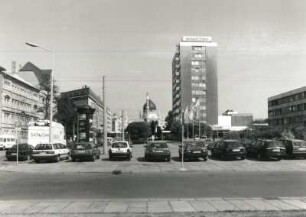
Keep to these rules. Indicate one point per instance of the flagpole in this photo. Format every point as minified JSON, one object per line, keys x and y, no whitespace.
{"x":193,"y":129}
{"x":199,"y":128}
{"x":182,"y":122}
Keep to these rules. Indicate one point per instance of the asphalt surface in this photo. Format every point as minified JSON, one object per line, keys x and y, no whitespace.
{"x":36,"y":186}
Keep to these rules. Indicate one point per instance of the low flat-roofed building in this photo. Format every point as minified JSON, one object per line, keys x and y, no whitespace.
{"x":288,"y":109}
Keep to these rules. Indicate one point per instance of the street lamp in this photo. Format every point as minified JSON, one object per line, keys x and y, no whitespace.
{"x":51,"y":83}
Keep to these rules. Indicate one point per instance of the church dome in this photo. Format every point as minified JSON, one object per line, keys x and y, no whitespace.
{"x":152,"y":106}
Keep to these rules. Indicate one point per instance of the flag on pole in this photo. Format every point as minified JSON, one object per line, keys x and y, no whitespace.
{"x":186,"y":114}
{"x":195,"y":109}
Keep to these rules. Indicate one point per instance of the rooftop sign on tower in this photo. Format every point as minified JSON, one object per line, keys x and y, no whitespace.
{"x":197,"y":38}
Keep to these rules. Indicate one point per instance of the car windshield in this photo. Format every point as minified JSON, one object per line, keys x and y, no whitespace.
{"x":272,"y":144}
{"x":82,"y":146}
{"x":159,"y":145}
{"x":43,"y":147}
{"x":119,"y":145}
{"x":299,"y":144}
{"x":233,"y":145}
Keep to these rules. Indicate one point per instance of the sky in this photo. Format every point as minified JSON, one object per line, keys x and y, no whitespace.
{"x":261,"y":46}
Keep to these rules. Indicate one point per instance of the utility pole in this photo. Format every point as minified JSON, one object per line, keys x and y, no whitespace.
{"x":104,"y":119}
{"x":122,"y":124}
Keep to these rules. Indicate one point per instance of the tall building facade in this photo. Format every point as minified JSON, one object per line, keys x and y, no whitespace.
{"x":20,"y":103}
{"x":288,"y":109}
{"x":194,"y":78}
{"x":85,"y":97}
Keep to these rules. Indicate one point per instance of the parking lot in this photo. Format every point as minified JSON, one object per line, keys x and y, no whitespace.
{"x":139,"y":165}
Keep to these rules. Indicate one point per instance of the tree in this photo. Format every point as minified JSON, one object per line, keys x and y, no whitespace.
{"x":176,"y":130}
{"x":169,"y":120}
{"x":139,"y":130}
{"x":45,"y":85}
{"x":66,"y":113}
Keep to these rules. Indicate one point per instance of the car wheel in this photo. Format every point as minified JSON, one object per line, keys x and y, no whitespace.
{"x":57,"y":158}
{"x":205,"y":158}
{"x":279,"y":158}
{"x":222,"y":156}
{"x":243,"y":157}
{"x":36,"y":161}
{"x":93,"y":158}
{"x":98,"y":156}
{"x":73,"y":159}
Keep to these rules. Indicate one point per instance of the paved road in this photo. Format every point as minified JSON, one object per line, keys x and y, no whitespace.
{"x":36,"y":186}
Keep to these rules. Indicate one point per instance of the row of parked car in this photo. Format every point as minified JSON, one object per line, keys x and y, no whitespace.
{"x":77,"y":151}
{"x":224,"y":149}
{"x":260,"y":149}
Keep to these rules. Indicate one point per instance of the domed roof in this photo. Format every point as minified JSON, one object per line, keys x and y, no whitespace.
{"x":152,"y":106}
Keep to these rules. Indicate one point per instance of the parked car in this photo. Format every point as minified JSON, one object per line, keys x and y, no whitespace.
{"x":266,"y":149}
{"x":7,"y":141}
{"x":225,"y":149}
{"x":210,"y":145}
{"x":295,"y":147}
{"x":193,"y":150}
{"x":47,"y":152}
{"x":24,"y":152}
{"x":120,"y":149}
{"x":85,"y":150}
{"x":157,"y":150}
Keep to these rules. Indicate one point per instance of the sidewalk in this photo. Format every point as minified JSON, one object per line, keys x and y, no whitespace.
{"x":151,"y":206}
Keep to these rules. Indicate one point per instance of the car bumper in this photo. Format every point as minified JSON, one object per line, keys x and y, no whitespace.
{"x":299,"y":154}
{"x":158,"y":156}
{"x":115,"y":155}
{"x":275,"y":155}
{"x":14,"y":157}
{"x":195,"y":155}
{"x":81,"y":155}
{"x":44,"y":157}
{"x":235,"y":155}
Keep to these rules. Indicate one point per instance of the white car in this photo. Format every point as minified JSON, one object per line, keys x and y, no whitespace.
{"x":54,"y":152}
{"x":7,"y":141}
{"x":120,"y":149}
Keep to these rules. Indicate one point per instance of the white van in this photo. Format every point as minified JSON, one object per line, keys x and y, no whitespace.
{"x":7,"y":141}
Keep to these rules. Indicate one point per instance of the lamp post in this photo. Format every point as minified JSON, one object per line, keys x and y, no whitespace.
{"x":51,"y":87}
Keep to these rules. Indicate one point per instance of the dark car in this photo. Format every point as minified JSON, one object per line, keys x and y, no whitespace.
{"x":24,"y":152}
{"x":266,"y":149}
{"x":193,"y":150}
{"x":210,"y":145}
{"x":157,"y":150}
{"x":85,"y":150}
{"x":295,"y":147}
{"x":225,"y":149}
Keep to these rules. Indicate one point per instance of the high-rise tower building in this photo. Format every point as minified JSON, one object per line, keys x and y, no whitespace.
{"x":194,"y":78}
